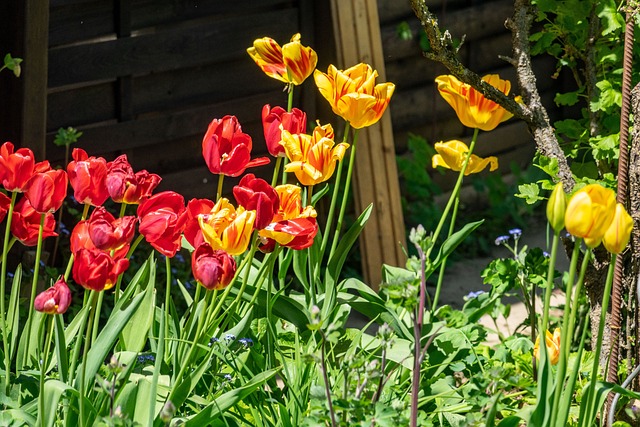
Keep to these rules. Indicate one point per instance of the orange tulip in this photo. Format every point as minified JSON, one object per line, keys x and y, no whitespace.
{"x":353,"y":94}
{"x":312,"y":157}
{"x":227,"y":228}
{"x":472,"y":108}
{"x":293,"y":226}
{"x":451,"y":155}
{"x":553,"y":346}
{"x":291,"y":63}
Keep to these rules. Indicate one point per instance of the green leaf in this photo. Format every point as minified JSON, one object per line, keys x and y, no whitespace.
{"x":530,"y":192}
{"x":134,"y":334}
{"x":223,"y":403}
{"x":449,"y":245}
{"x":53,"y":391}
{"x":568,"y":99}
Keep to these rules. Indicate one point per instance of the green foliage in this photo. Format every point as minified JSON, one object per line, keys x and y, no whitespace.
{"x":12,"y":64}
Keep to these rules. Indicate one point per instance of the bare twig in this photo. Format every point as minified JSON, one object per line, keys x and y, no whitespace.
{"x":530,"y":110}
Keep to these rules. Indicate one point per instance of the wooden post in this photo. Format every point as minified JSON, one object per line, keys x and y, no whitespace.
{"x":34,"y":78}
{"x":357,"y":31}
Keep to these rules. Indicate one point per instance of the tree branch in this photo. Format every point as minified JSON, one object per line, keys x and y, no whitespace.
{"x":531,"y":110}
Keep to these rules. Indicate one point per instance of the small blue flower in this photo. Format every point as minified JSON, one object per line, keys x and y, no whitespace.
{"x":501,"y":240}
{"x":546,"y":254}
{"x":228,"y":377}
{"x":213,"y":341}
{"x":144,"y":358}
{"x":246,"y":342}
{"x":515,"y":232}
{"x":229,"y":337}
{"x":474,"y":294}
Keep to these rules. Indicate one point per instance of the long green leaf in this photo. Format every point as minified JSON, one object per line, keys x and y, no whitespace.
{"x":451,"y":243}
{"x":53,"y":391}
{"x":105,"y":341}
{"x":216,"y":408}
{"x":13,"y":315}
{"x":134,"y":334}
{"x":62,"y":355}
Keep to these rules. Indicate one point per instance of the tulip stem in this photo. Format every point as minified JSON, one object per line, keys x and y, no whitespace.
{"x":345,"y":194}
{"x":455,"y":200}
{"x":549,"y":289}
{"x":85,"y":351}
{"x":590,"y":394}
{"x":219,"y":190}
{"x":167,"y":297}
{"x":3,"y":281}
{"x":43,"y":370}
{"x":276,"y":171}
{"x":34,"y":287}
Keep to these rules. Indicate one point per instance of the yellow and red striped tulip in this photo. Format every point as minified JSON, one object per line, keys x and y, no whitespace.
{"x":291,"y":63}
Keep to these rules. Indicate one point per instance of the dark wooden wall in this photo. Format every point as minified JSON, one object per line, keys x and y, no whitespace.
{"x":418,"y":108}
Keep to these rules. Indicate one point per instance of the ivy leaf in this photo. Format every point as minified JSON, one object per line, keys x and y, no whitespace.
{"x":568,"y":99}
{"x":611,"y":19}
{"x":605,"y":147}
{"x":609,"y":97}
{"x":529,"y":192}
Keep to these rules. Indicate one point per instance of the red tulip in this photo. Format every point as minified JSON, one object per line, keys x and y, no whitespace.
{"x":47,"y":190}
{"x":226,"y":149}
{"x":5,"y":203}
{"x":212,"y":269}
{"x":255,"y":194}
{"x":17,"y":167}
{"x":162,"y":220}
{"x":277,"y":119}
{"x":55,"y":300}
{"x":108,"y":233}
{"x":97,"y":270}
{"x":25,"y":223}
{"x":192,"y":230}
{"x":88,"y":176}
{"x":124,"y":186}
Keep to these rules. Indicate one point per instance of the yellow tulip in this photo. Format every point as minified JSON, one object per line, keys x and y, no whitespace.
{"x":312,"y":157}
{"x":471,"y":107}
{"x":590,"y":212}
{"x":291,"y":63}
{"x":353,"y":94}
{"x":618,"y":234}
{"x":556,"y":208}
{"x":227,"y":228}
{"x":451,"y":155}
{"x":553,"y":346}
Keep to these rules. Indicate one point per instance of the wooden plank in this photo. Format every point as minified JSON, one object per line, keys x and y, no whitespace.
{"x":358,"y":39}
{"x":394,"y":10}
{"x":34,"y":78}
{"x":477,"y":22}
{"x":74,"y":22}
{"x":91,"y":104}
{"x":158,"y":128}
{"x":173,"y":49}
{"x":122,"y":18}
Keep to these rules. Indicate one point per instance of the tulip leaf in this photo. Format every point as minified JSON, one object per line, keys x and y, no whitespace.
{"x":337,"y":260}
{"x":13,"y":316}
{"x":134,"y":334}
{"x":103,"y":344}
{"x":61,"y":348}
{"x":53,"y":391}
{"x":449,"y":245}
{"x":223,"y":403}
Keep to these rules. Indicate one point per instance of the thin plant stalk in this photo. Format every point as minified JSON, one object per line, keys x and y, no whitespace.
{"x":345,"y":195}
{"x":43,"y":370}
{"x":3,"y":280}
{"x":85,"y":351}
{"x":220,"y":186}
{"x":418,"y":320}
{"x":455,"y":194}
{"x":590,"y":394}
{"x":34,"y":287}
{"x":167,"y":297}
{"x":549,"y":288}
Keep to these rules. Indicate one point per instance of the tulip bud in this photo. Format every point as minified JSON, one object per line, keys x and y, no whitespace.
{"x":553,"y":346}
{"x":556,"y":208}
{"x":55,"y":300}
{"x":617,"y":236}
{"x":213,"y":269}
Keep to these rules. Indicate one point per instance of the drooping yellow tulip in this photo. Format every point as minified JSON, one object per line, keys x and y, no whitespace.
{"x":471,"y":106}
{"x":553,"y":346}
{"x":617,"y":236}
{"x":590,"y":212}
{"x":291,"y":63}
{"x":312,"y":157}
{"x":227,"y":228}
{"x":354,"y":95}
{"x":451,"y":155}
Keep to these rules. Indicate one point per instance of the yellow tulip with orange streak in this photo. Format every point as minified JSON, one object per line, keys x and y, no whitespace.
{"x":291,"y":63}
{"x":471,"y":107}
{"x":353,"y":93}
{"x":227,"y":227}
{"x":312,"y":158}
{"x":451,"y":155}
{"x":553,"y":346}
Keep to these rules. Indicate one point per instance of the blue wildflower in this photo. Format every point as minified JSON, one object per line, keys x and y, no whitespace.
{"x":474,"y":294}
{"x":228,"y":377}
{"x":144,"y":358}
{"x":500,"y":240}
{"x":213,"y":340}
{"x":246,"y":342}
{"x":229,"y":337}
{"x":515,"y":232}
